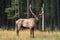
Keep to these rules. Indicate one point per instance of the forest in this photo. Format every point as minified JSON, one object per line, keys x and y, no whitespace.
{"x":11,"y":10}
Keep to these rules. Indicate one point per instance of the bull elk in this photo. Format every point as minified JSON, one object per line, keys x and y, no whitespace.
{"x":29,"y":22}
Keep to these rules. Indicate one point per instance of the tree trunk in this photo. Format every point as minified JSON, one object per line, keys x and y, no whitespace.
{"x":43,"y":18}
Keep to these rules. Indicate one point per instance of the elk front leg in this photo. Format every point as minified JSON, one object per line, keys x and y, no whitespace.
{"x":32,"y":32}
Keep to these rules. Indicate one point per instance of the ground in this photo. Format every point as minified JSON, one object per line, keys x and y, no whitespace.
{"x":25,"y":35}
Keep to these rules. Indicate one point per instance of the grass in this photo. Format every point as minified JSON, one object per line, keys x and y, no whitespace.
{"x":25,"y":35}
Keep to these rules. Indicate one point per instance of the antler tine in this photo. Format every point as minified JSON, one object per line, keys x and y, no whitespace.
{"x":30,"y":6}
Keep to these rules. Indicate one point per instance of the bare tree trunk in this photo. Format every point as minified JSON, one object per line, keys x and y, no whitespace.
{"x":27,"y":8}
{"x":43,"y":18}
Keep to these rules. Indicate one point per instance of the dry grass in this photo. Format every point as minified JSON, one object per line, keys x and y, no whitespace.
{"x":25,"y":35}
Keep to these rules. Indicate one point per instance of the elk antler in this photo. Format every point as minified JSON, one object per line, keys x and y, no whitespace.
{"x":33,"y":13}
{"x":42,"y":11}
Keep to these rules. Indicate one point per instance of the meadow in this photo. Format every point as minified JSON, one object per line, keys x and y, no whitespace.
{"x":25,"y":35}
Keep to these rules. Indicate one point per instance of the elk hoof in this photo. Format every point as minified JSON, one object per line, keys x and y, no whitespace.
{"x":32,"y":36}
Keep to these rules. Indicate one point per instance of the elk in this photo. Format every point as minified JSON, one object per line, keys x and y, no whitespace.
{"x":31,"y":23}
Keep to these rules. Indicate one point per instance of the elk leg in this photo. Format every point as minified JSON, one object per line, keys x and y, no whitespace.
{"x":32,"y":32}
{"x":18,"y":28}
{"x":17,"y":32}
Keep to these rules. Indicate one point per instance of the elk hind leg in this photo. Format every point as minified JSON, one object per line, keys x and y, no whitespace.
{"x":17,"y":31}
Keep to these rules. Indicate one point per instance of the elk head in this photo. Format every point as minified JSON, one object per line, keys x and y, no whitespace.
{"x":36,"y":16}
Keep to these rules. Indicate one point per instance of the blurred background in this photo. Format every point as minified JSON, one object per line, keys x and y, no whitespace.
{"x":11,"y":10}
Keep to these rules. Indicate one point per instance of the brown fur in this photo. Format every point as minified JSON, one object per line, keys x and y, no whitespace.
{"x":30,"y":22}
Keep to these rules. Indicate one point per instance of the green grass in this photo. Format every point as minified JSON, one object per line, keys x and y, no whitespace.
{"x":28,"y":38}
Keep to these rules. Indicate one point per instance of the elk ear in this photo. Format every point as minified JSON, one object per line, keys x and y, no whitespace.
{"x":40,"y":14}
